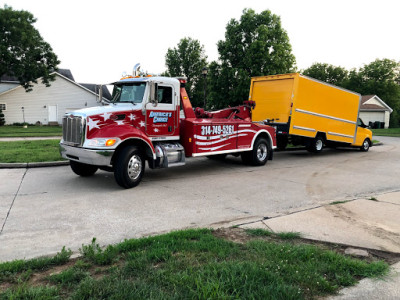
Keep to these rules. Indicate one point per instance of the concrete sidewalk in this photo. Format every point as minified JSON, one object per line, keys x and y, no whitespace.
{"x":29,"y":138}
{"x":368,"y":223}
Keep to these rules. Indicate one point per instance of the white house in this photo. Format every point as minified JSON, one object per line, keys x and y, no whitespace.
{"x":46,"y":105}
{"x":373,"y":109}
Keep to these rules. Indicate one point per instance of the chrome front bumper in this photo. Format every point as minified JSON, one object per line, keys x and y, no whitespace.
{"x":87,"y":156}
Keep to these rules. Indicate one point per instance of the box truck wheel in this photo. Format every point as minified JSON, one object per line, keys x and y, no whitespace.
{"x":315,"y":145}
{"x":81,"y":169}
{"x":365,"y":146}
{"x":129,"y":167}
{"x":259,"y":155}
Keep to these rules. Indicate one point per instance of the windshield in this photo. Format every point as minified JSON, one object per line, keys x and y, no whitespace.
{"x":129,"y":92}
{"x":361,"y":123}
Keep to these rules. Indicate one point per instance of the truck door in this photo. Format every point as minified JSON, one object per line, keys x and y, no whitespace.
{"x":162,"y":119}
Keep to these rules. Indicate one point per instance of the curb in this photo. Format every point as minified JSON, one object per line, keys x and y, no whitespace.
{"x":66,"y":163}
{"x":33,"y":165}
{"x":28,"y":138}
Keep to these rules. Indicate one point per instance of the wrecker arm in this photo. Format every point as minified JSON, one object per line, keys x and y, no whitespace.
{"x":186,"y":105}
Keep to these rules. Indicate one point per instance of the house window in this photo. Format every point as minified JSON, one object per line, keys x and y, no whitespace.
{"x":3,"y":106}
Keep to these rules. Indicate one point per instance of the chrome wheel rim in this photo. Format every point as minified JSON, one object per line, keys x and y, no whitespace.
{"x":262,"y":152}
{"x":366,"y":145}
{"x":318,"y":145}
{"x":134,"y":167}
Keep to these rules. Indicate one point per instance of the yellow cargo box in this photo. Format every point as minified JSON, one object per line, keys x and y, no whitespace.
{"x":310,"y":112}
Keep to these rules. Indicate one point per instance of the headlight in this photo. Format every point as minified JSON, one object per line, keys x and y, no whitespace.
{"x":101,"y":142}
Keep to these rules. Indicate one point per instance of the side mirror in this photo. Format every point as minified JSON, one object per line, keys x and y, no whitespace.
{"x":154,"y":93}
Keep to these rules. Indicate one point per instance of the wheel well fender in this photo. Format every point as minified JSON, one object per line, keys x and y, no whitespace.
{"x":263,"y":134}
{"x":322,"y":135}
{"x":148,"y":148}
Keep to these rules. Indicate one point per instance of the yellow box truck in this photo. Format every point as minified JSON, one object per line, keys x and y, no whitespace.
{"x":309,"y":112}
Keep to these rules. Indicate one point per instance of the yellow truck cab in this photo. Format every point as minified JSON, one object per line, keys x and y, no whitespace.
{"x":309,"y":112}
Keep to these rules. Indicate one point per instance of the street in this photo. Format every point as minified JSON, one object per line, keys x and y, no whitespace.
{"x":43,"y":209}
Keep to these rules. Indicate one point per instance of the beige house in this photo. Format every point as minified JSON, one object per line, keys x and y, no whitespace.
{"x":46,"y":105}
{"x":373,"y":110}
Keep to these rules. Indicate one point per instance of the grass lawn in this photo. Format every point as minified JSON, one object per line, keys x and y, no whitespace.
{"x":19,"y":131}
{"x":189,"y":264}
{"x":29,"y":151}
{"x":395,"y":132}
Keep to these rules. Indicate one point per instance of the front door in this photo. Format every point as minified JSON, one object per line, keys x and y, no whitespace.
{"x":161,"y":120}
{"x":52,"y":113}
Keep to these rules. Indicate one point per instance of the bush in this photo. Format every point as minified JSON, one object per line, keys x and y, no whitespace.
{"x":2,"y":120}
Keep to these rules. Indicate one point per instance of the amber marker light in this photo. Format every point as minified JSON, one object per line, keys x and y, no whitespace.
{"x":110,"y":142}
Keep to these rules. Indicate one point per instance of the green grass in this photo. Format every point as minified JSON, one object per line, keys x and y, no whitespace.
{"x":30,"y":151}
{"x":258,"y":232}
{"x":288,"y":235}
{"x":22,"y":269}
{"x":339,"y":202}
{"x":69,"y":277}
{"x":394,"y":132}
{"x":282,"y":235}
{"x":194,"y":264}
{"x":30,"y":131}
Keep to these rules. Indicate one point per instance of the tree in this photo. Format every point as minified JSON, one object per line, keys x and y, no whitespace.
{"x":188,"y":59}
{"x":255,"y":45}
{"x":380,"y":77}
{"x":328,"y":73}
{"x":23,"y":52}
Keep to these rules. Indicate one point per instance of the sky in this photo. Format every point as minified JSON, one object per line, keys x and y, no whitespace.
{"x":99,"y":40}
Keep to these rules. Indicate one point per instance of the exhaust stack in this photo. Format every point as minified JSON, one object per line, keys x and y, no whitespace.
{"x":136,"y":70}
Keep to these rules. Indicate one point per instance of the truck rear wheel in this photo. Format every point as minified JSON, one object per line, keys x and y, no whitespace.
{"x":365,"y":146}
{"x":316,"y":145}
{"x":259,"y":155}
{"x":129,"y":167}
{"x":81,"y":169}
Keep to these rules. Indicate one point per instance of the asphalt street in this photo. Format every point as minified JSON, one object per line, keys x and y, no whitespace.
{"x":43,"y":209}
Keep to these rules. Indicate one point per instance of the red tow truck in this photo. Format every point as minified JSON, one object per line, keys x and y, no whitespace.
{"x":151,"y":119}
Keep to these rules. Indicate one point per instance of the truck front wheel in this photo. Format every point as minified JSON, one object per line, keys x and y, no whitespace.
{"x":259,"y":155}
{"x":81,"y":169}
{"x":129,"y":167}
{"x":365,"y":146}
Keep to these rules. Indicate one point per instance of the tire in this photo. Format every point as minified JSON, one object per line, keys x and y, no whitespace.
{"x":129,"y":167}
{"x":81,"y":169}
{"x":316,"y":145}
{"x":259,"y":155}
{"x":365,"y":146}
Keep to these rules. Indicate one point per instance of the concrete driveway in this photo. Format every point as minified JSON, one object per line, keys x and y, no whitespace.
{"x":43,"y":209}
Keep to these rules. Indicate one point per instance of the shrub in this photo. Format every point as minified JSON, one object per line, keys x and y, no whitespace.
{"x":2,"y":120}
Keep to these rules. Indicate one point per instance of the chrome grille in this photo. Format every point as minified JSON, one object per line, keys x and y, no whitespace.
{"x":73,"y":130}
